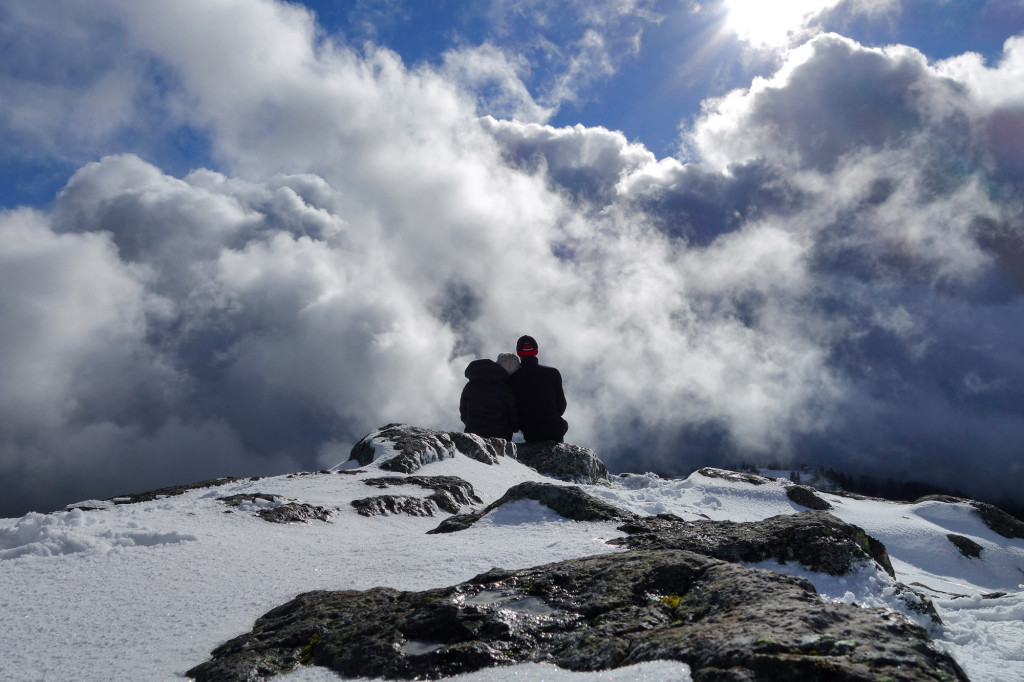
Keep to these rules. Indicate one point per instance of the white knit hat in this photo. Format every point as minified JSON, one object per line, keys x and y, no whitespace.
{"x":509,"y":362}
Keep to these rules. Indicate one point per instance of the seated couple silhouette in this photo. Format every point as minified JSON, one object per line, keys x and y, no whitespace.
{"x":514,"y":393}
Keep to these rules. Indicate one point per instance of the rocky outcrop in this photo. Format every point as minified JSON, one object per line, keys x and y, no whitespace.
{"x":806,"y":497}
{"x":277,"y":510}
{"x":391,"y":505}
{"x":450,"y":494}
{"x":995,"y":518}
{"x":817,"y":540}
{"x":735,"y":476}
{"x":725,"y":621}
{"x":968,"y":547}
{"x":568,"y":501}
{"x":564,"y":461}
{"x":404,"y":448}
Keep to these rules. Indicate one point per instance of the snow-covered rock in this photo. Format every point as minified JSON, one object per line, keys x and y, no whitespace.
{"x":404,"y":449}
{"x":569,"y":502}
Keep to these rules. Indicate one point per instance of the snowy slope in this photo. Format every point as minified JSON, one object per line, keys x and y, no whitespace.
{"x":147,"y":590}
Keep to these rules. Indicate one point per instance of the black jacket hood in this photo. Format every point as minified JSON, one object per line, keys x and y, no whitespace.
{"x":486,"y":370}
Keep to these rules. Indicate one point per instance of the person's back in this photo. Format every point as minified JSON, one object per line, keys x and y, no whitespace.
{"x":540,"y":398}
{"x":488,"y":406}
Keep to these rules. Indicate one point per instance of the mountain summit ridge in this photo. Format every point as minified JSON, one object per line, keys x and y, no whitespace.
{"x":227,"y":553}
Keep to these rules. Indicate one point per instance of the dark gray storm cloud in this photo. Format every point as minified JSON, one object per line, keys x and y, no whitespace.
{"x":833,"y":276}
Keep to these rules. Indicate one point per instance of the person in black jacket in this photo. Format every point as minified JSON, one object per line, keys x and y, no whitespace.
{"x":488,"y":406}
{"x":539,"y":396}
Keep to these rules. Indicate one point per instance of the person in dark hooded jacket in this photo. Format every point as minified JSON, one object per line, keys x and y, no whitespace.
{"x":488,"y":406}
{"x":539,"y":396}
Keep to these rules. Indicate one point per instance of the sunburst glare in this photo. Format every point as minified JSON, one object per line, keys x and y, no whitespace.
{"x":772,"y":24}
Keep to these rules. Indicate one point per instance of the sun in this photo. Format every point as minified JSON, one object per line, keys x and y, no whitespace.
{"x":772,"y":24}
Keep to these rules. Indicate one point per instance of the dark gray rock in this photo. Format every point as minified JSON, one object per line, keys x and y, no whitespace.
{"x":450,"y":494}
{"x":389,"y":505}
{"x":725,"y":621}
{"x":568,"y":501}
{"x":236,"y":500}
{"x":295,"y":512}
{"x":805,"y":497}
{"x":564,"y":461}
{"x":968,"y":547}
{"x":817,"y":540}
{"x":995,"y":518}
{"x":290,"y":512}
{"x":740,"y":477}
{"x":414,"y":446}
{"x":486,"y":450}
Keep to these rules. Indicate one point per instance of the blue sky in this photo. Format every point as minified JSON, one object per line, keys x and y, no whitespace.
{"x":238,"y":235}
{"x":685,"y":51}
{"x":665,"y":61}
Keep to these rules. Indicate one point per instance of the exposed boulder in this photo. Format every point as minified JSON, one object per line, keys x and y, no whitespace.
{"x":486,"y":450}
{"x":274,"y":509}
{"x":450,"y":494}
{"x":805,"y":497}
{"x":404,"y":448}
{"x":564,"y":461}
{"x":968,"y":547}
{"x":389,"y":505}
{"x":250,"y":498}
{"x":736,"y":476}
{"x":725,"y":621}
{"x":995,"y":518}
{"x":568,"y":501}
{"x":296,"y":512}
{"x":817,"y":540}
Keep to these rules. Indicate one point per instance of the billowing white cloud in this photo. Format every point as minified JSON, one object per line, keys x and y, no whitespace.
{"x":497,"y":79}
{"x":69,"y":87}
{"x":576,"y":44}
{"x":835,"y":276}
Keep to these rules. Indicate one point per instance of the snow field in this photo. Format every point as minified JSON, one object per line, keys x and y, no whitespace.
{"x":151,"y":588}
